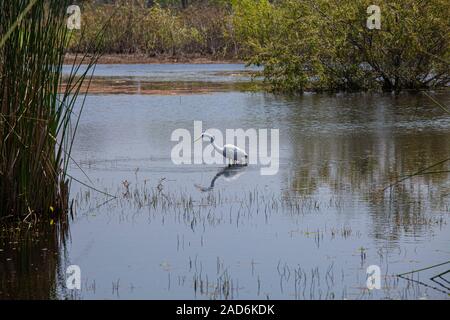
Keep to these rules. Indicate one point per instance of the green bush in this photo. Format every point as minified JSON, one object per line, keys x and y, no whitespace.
{"x":325,"y":45}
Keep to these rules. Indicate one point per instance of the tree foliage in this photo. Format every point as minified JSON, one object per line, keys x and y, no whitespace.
{"x":326,"y":45}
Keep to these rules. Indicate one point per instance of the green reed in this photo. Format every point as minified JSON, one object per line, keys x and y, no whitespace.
{"x":37,"y":121}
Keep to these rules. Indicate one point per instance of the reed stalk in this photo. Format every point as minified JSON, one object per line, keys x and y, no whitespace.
{"x":37,"y":122}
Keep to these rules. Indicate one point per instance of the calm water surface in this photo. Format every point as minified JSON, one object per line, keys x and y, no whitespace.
{"x":173,"y":72}
{"x":308,"y":232}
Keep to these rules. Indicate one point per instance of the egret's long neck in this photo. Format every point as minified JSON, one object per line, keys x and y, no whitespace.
{"x":218,"y":149}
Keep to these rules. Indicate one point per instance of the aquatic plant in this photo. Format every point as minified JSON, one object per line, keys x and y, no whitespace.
{"x":37,"y":122}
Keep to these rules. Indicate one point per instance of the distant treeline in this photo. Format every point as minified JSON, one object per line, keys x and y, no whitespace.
{"x":157,"y":28}
{"x":302,"y":44}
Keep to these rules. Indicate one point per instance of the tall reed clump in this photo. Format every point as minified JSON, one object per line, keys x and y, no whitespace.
{"x":36,"y":118}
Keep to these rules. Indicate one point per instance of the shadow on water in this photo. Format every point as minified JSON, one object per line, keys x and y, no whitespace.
{"x":230,"y":174}
{"x":31,"y":261}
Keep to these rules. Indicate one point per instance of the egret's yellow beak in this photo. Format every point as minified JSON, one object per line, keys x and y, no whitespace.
{"x":198,"y":138}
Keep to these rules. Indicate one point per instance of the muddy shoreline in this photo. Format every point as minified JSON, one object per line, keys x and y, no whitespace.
{"x":144,"y":59}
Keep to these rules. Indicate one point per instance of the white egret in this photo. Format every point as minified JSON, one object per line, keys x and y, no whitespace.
{"x":229,"y":151}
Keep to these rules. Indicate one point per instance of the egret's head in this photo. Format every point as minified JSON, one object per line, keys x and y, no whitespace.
{"x":211,"y":138}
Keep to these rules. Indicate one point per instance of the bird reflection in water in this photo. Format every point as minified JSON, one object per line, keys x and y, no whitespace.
{"x":229,"y":174}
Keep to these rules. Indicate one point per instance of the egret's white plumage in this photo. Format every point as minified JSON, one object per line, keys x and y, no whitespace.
{"x":229,"y":151}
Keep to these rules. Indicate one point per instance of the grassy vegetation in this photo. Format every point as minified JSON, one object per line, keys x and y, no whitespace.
{"x":198,"y":30}
{"x":36,"y":117}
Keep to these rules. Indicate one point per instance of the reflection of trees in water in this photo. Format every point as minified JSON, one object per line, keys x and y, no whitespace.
{"x":30,"y":261}
{"x":404,"y":207}
{"x":366,"y":151}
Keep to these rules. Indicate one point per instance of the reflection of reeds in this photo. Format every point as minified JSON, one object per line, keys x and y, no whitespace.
{"x":425,"y":171}
{"x":30,"y":262}
{"x":36,"y":131}
{"x":220,"y":277}
{"x":213,"y":207}
{"x":442,"y":287}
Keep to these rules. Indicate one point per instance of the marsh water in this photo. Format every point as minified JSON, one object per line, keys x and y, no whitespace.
{"x":158,"y":230}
